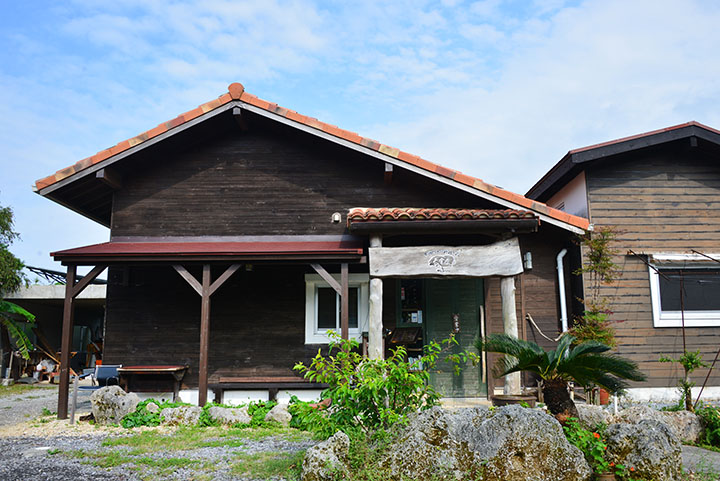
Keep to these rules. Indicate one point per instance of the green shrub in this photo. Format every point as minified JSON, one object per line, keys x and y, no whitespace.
{"x":690,"y":361}
{"x":710,"y":416}
{"x":142,"y":417}
{"x":258,"y":410}
{"x":593,"y":446}
{"x":373,"y":393}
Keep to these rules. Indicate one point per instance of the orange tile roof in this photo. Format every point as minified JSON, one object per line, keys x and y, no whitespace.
{"x":236,"y":92}
{"x":362,"y":214}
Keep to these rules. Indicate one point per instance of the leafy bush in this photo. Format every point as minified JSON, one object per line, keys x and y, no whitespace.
{"x":258,"y":410}
{"x":690,"y":361}
{"x":142,"y":417}
{"x":373,"y":393}
{"x":593,"y":446}
{"x":710,"y":416}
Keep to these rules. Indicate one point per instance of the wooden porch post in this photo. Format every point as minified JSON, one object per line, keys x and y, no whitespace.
{"x":66,"y":341}
{"x":509,"y":315}
{"x":206,"y":289}
{"x":72,"y":290}
{"x":344,"y":302}
{"x":204,"y":336}
{"x":375,"y":328}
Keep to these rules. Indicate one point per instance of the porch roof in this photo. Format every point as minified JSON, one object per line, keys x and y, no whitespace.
{"x":114,"y":251}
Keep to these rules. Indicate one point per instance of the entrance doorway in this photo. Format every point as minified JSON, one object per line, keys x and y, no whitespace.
{"x":435,"y":308}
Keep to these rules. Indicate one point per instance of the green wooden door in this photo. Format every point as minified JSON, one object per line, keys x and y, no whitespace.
{"x":443,"y":299}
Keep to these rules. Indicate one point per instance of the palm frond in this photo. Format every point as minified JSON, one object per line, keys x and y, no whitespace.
{"x":12,"y":308}
{"x":21,"y":340}
{"x":589,"y":347}
{"x":586,"y":363}
{"x":504,"y":344}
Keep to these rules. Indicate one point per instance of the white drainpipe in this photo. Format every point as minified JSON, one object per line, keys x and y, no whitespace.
{"x":561,"y":287}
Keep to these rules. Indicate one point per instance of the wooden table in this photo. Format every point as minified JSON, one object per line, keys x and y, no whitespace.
{"x":152,"y":378}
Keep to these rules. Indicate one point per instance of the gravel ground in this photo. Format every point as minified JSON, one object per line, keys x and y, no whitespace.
{"x":28,"y":444}
{"x":39,"y":448}
{"x":29,"y":405}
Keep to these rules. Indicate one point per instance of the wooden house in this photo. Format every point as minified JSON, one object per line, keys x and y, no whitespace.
{"x":242,"y":232}
{"x":661,"y":191}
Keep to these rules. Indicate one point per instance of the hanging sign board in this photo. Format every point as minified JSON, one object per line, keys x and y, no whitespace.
{"x":499,"y":259}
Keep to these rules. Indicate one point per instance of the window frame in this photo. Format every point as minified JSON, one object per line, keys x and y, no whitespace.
{"x":709,"y":318}
{"x":315,"y":335}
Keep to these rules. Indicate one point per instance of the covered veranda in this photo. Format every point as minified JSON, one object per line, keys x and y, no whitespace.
{"x":186,"y":255}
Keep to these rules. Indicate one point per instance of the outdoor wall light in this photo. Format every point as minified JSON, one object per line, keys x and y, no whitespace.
{"x":527,"y":261}
{"x":336,"y":218}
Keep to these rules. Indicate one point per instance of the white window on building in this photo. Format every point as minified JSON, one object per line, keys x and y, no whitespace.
{"x":322,"y":307}
{"x":686,"y":283}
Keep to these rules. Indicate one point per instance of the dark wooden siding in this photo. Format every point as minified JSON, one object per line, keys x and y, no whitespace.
{"x":257,"y":325}
{"x":262,"y":183}
{"x":661,"y":201}
{"x":536,"y":291}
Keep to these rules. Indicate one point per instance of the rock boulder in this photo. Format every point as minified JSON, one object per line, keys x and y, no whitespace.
{"x":685,"y":425}
{"x":110,"y":404}
{"x":649,"y":447}
{"x":279,"y":414}
{"x":182,"y":415}
{"x":230,"y":415}
{"x":591,"y":416}
{"x":327,"y":461}
{"x":511,"y":443}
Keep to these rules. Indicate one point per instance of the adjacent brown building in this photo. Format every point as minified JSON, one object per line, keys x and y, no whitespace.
{"x":661,"y":191}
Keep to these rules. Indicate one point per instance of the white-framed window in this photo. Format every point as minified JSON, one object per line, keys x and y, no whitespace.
{"x":688,"y":283}
{"x":322,"y":307}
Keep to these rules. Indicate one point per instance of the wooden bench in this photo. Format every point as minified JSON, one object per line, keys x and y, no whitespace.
{"x":273,"y":384}
{"x":152,"y":378}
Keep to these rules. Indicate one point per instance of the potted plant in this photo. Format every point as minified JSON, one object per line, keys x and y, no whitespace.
{"x":585,"y":363}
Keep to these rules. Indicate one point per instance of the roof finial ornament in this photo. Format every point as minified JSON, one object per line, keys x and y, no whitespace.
{"x":236,"y":89}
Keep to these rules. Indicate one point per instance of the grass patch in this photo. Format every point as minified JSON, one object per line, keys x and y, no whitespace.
{"x":111,"y":459}
{"x":16,"y":389}
{"x":185,"y":438}
{"x":269,"y":464}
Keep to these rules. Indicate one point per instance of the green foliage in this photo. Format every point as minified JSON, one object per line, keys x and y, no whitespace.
{"x":594,"y":447}
{"x":710,"y":416}
{"x":373,"y":393}
{"x":594,"y":324}
{"x":12,"y":278}
{"x":690,"y":361}
{"x":585,"y":363}
{"x":142,"y":417}
{"x":258,"y":410}
{"x":9,"y":312}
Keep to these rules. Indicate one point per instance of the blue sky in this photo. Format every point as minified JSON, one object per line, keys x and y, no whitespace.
{"x":497,"y":89}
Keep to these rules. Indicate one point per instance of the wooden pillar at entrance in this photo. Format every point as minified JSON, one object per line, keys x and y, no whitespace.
{"x":375,"y":328}
{"x":510,"y":325}
{"x":206,"y":289}
{"x":72,"y":290}
{"x":344,"y":302}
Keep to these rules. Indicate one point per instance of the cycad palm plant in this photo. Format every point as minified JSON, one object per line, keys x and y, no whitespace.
{"x":585,"y":363}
